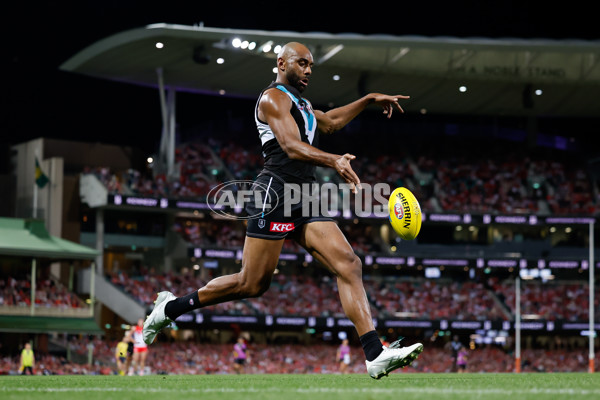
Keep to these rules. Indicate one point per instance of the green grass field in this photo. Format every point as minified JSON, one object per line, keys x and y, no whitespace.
{"x":398,"y":386}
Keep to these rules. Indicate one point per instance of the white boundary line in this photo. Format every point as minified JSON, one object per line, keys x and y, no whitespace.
{"x":398,"y":390}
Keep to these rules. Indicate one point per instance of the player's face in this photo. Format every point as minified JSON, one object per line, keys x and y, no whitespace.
{"x":299,"y":69}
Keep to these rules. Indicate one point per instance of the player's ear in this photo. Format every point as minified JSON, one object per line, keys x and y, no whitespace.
{"x":280,"y":63}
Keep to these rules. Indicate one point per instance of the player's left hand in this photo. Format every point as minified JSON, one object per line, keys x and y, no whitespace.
{"x":344,"y":169}
{"x":388,"y":103}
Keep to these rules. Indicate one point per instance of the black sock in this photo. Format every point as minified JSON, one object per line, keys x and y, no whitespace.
{"x":371,"y":345}
{"x":181,"y":305}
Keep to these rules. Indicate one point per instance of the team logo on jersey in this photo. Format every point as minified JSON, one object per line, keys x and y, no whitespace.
{"x":261,"y":223}
{"x":282,"y":227}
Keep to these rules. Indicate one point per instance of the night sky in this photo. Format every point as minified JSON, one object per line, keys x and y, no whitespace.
{"x":38,"y":100}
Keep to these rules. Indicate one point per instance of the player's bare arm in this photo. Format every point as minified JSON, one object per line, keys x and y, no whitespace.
{"x":335,"y":119}
{"x":274,"y":108}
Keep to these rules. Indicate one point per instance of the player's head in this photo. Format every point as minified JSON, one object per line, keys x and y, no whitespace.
{"x":28,"y":346}
{"x":140,"y":322}
{"x":294,"y":65}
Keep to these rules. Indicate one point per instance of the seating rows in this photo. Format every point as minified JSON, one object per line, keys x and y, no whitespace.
{"x":551,"y":301}
{"x":417,"y":298}
{"x":317,"y":296}
{"x":17,"y":292}
{"x":492,"y":182}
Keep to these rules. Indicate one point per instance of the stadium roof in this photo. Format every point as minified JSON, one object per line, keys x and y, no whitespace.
{"x":29,"y":238}
{"x":500,"y":75}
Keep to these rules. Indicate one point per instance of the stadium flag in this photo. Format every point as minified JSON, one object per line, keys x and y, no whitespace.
{"x":41,"y":179}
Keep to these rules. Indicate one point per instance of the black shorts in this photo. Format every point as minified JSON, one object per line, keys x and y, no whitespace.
{"x":26,"y":370}
{"x":268,"y":218}
{"x":240,"y":361}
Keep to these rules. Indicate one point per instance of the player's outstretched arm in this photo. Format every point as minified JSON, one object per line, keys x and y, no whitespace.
{"x":335,"y":119}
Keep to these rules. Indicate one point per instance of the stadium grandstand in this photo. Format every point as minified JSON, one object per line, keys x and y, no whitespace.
{"x":502,"y":261}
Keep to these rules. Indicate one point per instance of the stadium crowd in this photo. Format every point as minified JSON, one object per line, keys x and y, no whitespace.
{"x":210,"y":233}
{"x":309,"y":296}
{"x":506,"y":183}
{"x":551,"y":300}
{"x":16,"y":292}
{"x":303,"y":295}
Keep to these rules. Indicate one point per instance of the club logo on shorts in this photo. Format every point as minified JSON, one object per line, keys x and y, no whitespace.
{"x":261,"y":223}
{"x":282,"y":227}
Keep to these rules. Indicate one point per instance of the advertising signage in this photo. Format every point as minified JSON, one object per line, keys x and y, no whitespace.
{"x":369,"y":259}
{"x":199,"y":320}
{"x":117,"y":200}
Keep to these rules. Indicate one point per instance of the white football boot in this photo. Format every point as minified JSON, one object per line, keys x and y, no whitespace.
{"x":393,"y":357}
{"x":157,"y":318}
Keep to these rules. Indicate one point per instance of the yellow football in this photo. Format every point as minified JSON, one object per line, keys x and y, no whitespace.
{"x":405,"y":213}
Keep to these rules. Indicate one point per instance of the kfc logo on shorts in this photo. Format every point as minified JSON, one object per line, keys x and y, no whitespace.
{"x":282,"y":227}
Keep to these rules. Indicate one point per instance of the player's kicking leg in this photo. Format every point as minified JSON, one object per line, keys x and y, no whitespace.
{"x":259,"y":260}
{"x":327,"y":244}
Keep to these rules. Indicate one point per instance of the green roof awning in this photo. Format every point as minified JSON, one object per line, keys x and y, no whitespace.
{"x":24,"y":324}
{"x":29,"y":238}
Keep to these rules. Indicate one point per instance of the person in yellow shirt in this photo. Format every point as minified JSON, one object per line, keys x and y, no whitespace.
{"x":27,"y":360}
{"x":121,"y":355}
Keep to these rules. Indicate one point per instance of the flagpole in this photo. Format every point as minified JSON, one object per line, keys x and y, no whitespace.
{"x":40,"y":180}
{"x":35,"y":199}
{"x":518,"y":324}
{"x":35,"y":186}
{"x":592,"y":328}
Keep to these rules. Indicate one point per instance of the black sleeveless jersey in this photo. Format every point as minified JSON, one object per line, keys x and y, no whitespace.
{"x":277,"y":161}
